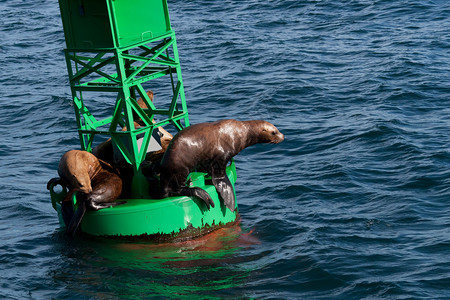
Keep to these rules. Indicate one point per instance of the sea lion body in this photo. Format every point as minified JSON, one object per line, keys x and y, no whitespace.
{"x":106,"y":187}
{"x":96,"y":182}
{"x":77,"y":168}
{"x":209,"y":147}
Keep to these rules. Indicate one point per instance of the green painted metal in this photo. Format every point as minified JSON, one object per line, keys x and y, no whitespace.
{"x":114,"y":49}
{"x":91,"y":24}
{"x":115,"y":46}
{"x":122,"y":85}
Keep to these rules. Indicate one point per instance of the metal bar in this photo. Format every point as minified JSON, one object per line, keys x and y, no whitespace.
{"x":163,"y":112}
{"x":148,"y":62}
{"x":123,"y":149}
{"x":103,"y":122}
{"x":164,"y":63}
{"x":89,"y":143}
{"x":165,"y":60}
{"x":173,"y":104}
{"x":135,"y":106}
{"x":117,"y":114}
{"x":94,"y":88}
{"x":92,"y":60}
{"x":135,"y":57}
{"x":90,"y":71}
{"x":90,"y":50}
{"x":180,"y":79}
{"x":112,"y":22}
{"x":149,"y":77}
{"x":96,"y":71}
{"x":136,"y":131}
{"x":140,"y":44}
{"x":145,"y":98}
{"x":145,"y":142}
{"x":83,"y":111}
{"x":148,"y":50}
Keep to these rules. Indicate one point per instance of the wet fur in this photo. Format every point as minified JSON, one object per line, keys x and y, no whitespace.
{"x":97,"y":183}
{"x":209,"y":147}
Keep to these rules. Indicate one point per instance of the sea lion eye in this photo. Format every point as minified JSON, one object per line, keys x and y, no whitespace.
{"x":274,"y":133}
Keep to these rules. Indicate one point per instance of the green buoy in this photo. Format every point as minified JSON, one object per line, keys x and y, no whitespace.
{"x":114,"y":49}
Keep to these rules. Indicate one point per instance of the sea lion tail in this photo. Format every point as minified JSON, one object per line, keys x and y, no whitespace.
{"x":199,"y":193}
{"x":76,"y":219}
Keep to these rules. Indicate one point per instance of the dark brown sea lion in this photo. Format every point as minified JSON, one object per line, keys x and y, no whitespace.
{"x":210,"y":146}
{"x":96,"y":182}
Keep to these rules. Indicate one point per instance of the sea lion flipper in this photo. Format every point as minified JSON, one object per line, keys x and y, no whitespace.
{"x":199,"y":193}
{"x":225,"y":189}
{"x":76,"y":219}
{"x":67,"y":212}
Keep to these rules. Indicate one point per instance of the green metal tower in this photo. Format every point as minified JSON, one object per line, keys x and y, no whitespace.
{"x":114,"y":47}
{"x":115,"y":50}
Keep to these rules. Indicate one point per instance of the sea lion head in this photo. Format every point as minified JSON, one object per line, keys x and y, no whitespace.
{"x":77,"y":167}
{"x":82,"y":182}
{"x":268,"y":133}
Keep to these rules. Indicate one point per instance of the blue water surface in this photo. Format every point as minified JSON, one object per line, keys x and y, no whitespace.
{"x":354,"y":204}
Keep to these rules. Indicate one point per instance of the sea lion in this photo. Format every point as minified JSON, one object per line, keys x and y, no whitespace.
{"x":165,"y":137}
{"x":96,"y":182}
{"x":209,"y":147}
{"x":141,"y":102}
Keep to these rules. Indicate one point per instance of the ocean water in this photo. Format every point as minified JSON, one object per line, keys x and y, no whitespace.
{"x":354,"y":204}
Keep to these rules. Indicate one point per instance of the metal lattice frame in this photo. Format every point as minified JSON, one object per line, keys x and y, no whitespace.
{"x":123,"y":71}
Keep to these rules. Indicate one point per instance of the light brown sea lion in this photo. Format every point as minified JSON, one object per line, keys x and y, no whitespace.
{"x":141,"y":101}
{"x":77,"y":168}
{"x":96,"y":182}
{"x":210,"y":146}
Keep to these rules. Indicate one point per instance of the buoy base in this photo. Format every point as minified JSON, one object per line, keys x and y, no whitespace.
{"x":167,"y":219}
